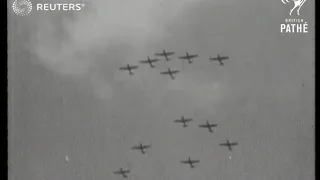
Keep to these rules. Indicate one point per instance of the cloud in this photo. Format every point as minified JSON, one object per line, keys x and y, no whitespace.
{"x":92,"y":44}
{"x":62,"y":41}
{"x":78,"y":44}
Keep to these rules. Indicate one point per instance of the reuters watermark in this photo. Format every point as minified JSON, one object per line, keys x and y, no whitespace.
{"x":24,"y":7}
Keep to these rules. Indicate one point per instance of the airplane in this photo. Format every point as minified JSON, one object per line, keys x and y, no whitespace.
{"x":229,"y":144}
{"x":150,"y":61}
{"x":165,"y":54}
{"x":190,"y":162}
{"x":170,"y":72}
{"x":183,"y":120}
{"x":122,"y":172}
{"x":189,"y":57}
{"x":129,"y":68}
{"x":219,"y":58}
{"x":141,"y":147}
{"x":208,"y":125}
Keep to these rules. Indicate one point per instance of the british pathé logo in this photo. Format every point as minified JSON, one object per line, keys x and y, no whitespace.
{"x":294,"y":25}
{"x":297,"y":5}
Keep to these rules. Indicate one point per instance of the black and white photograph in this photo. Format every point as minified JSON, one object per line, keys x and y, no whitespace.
{"x":161,"y":89}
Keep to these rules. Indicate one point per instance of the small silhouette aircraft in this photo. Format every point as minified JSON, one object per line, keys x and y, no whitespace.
{"x":170,"y":72}
{"x":189,"y":57}
{"x":122,"y":172}
{"x":190,"y":162}
{"x":165,"y":54}
{"x":129,"y":68}
{"x":141,"y":148}
{"x":183,"y":120}
{"x":149,"y":61}
{"x":208,"y":125}
{"x":219,"y":58}
{"x":229,"y":144}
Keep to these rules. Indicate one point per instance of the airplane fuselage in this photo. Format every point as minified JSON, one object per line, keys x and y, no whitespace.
{"x":170,"y":73}
{"x":191,"y":165}
{"x":129,"y":69}
{"x":221,"y":63}
{"x":220,"y":59}
{"x":189,"y":57}
{"x":229,"y":145}
{"x":184,"y":124}
{"x":210,"y":126}
{"x":165,"y":55}
{"x":190,"y":162}
{"x":150,"y":63}
{"x":123,"y":173}
{"x":142,"y":149}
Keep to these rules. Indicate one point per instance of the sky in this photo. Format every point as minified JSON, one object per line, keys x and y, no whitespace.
{"x":67,"y":96}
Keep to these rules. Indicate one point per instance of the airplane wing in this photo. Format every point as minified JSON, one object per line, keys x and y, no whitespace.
{"x":187,"y":120}
{"x":169,"y":53}
{"x":213,"y":125}
{"x":178,"y":121}
{"x":203,"y":125}
{"x":221,"y":58}
{"x":233,"y":144}
{"x":223,"y":144}
{"x":154,"y":60}
{"x":144,"y":61}
{"x":123,"y":68}
{"x":159,"y":54}
{"x":146,"y":146}
{"x":133,"y":67}
{"x":175,"y":71}
{"x":185,"y":162}
{"x":135,"y":147}
{"x":195,"y":161}
{"x":165,"y":72}
{"x":121,"y":172}
{"x":183,"y":57}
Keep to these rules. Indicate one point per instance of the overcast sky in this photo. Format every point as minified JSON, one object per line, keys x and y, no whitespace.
{"x":68,"y":98}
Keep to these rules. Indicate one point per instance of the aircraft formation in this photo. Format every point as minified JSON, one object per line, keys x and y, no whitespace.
{"x":191,"y":162}
{"x":167,"y":55}
{"x":183,"y":120}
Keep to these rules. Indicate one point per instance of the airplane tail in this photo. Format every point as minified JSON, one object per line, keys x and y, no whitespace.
{"x":131,"y":73}
{"x":184,"y":125}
